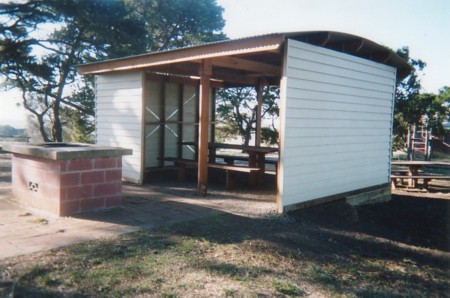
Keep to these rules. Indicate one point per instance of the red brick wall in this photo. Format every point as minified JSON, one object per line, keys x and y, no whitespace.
{"x":65,"y":187}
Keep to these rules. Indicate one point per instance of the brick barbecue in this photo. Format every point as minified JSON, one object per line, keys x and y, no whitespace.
{"x":65,"y":179}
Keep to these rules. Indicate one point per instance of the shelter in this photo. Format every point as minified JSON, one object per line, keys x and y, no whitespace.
{"x":336,"y":108}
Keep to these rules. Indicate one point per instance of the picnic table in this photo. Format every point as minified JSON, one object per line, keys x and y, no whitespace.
{"x":256,"y":162}
{"x":256,"y":158}
{"x":413,"y":172}
{"x":256,"y":154}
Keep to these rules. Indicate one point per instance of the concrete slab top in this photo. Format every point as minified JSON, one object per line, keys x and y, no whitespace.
{"x":65,"y":151}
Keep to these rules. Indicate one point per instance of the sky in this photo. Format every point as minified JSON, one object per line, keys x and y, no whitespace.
{"x":422,"y":25}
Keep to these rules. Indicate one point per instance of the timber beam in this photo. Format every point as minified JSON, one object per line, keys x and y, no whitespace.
{"x":264,"y":69}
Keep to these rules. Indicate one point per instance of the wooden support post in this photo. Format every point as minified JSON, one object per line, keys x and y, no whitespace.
{"x":212,"y":151}
{"x":252,"y":162}
{"x":259,"y":95}
{"x":229,"y":182}
{"x":258,"y":133}
{"x":180,"y":121}
{"x":162,"y":122}
{"x":197,"y":117}
{"x":205,"y":74}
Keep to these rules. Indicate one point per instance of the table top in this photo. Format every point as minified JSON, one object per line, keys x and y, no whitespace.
{"x":257,"y":149}
{"x":419,"y":163}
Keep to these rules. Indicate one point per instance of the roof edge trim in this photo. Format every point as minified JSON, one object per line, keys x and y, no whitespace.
{"x":271,"y":42}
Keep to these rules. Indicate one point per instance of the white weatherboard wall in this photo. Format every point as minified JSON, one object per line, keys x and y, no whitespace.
{"x":336,"y":128}
{"x":118,"y":117}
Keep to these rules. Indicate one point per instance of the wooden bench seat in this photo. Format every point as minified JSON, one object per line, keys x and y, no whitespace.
{"x":229,"y":169}
{"x":400,"y":171}
{"x":182,"y":163}
{"x":234,"y":168}
{"x":229,"y":159}
{"x":426,"y":179}
{"x":235,"y":157}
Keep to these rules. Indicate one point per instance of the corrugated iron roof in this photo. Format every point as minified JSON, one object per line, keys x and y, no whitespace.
{"x":254,"y":45}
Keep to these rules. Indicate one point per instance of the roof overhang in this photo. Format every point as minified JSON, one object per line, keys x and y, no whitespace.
{"x":356,"y":46}
{"x":245,"y":61}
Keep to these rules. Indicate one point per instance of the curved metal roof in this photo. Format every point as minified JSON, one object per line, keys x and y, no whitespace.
{"x":356,"y":46}
{"x":262,"y":50}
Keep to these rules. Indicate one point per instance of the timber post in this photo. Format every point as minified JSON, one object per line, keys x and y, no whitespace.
{"x":205,"y":74}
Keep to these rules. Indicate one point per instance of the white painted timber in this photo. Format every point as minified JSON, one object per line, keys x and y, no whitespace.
{"x":336,"y":122}
{"x":170,"y":94}
{"x":152,"y":130}
{"x":172,"y":113}
{"x":189,"y":128}
{"x":118,"y":117}
{"x":190,"y":99}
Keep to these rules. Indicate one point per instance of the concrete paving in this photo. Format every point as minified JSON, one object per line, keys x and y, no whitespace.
{"x":24,"y":231}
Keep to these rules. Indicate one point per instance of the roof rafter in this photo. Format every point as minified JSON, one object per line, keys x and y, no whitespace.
{"x":247,"y":65}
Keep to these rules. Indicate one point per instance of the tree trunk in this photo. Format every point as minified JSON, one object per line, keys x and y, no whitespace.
{"x":57,"y":127}
{"x":39,"y":116}
{"x":409,"y":144}
{"x":41,"y":124}
{"x":247,"y":137}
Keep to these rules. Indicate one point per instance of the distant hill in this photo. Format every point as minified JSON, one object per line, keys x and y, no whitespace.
{"x":9,"y":131}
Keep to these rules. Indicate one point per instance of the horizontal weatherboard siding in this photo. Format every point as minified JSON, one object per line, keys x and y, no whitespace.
{"x":327,"y":61}
{"x":336,"y":131}
{"x":119,"y":117}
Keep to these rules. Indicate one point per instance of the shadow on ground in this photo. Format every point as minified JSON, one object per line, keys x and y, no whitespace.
{"x":152,"y":205}
{"x":416,"y":221}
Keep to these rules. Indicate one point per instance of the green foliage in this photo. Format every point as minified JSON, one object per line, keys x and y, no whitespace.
{"x":287,"y":288}
{"x":179,"y":23}
{"x":408,"y":111}
{"x":400,"y":132}
{"x":269,"y":135}
{"x":237,"y":110}
{"x":410,"y":85}
{"x":41,"y":42}
{"x":412,"y":108}
{"x":79,"y":116}
{"x":436,"y":111}
{"x":41,"y":63}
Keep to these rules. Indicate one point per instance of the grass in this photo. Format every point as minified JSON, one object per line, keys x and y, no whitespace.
{"x":440,"y":156}
{"x":287,"y":288}
{"x":39,"y":220}
{"x":321,"y":252}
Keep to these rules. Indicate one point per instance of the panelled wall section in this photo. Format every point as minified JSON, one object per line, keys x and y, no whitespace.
{"x":170,"y":122}
{"x":118,"y":117}
{"x":336,"y":119}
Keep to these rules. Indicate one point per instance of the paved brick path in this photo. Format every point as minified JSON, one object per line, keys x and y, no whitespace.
{"x":24,"y":231}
